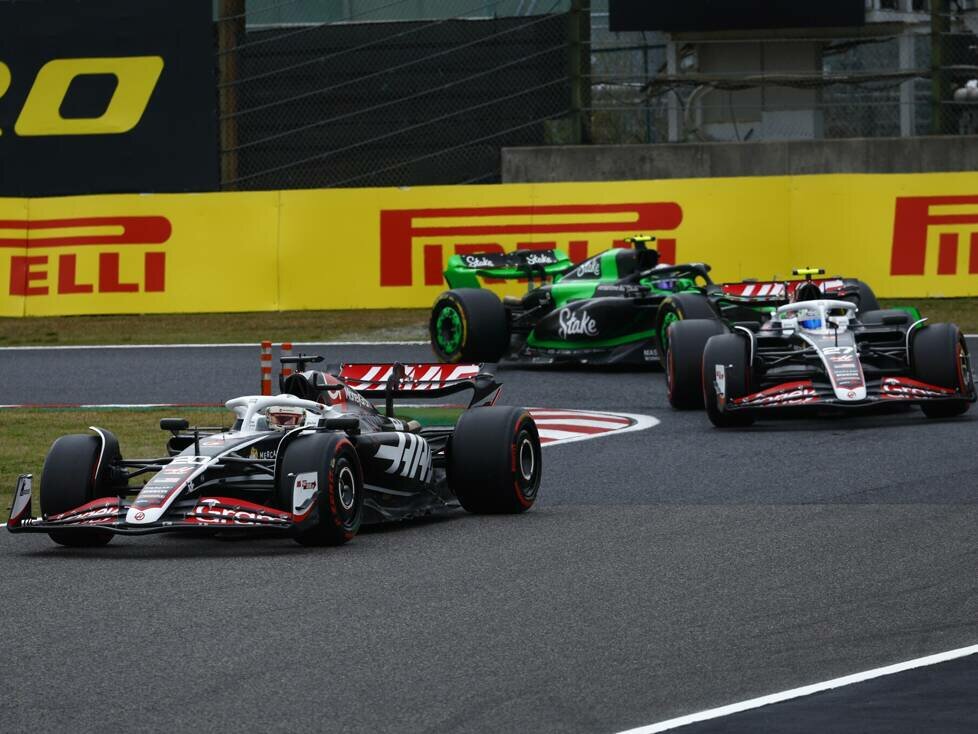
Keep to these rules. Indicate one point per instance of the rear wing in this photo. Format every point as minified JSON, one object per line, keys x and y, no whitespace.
{"x":778,"y":291}
{"x":464,"y":271}
{"x":419,"y":381}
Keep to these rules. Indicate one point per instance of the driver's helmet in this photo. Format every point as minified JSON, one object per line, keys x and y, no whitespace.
{"x":809,"y":318}
{"x":284,"y":417}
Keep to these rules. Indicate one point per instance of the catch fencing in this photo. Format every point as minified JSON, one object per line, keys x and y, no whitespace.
{"x":897,"y":75}
{"x":399,"y":93}
{"x":369,"y":101}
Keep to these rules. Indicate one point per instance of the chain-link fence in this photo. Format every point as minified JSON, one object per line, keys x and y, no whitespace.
{"x":365,"y":100}
{"x":413,"y":92}
{"x":895,"y":76}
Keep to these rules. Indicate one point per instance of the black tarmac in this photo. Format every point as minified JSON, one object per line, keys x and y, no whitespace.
{"x":661,"y":573}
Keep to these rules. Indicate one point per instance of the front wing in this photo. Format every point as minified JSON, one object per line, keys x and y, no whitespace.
{"x":202,"y":514}
{"x":891,"y":390}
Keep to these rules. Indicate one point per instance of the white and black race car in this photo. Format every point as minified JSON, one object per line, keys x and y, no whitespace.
{"x":817,"y":354}
{"x":314,"y":462}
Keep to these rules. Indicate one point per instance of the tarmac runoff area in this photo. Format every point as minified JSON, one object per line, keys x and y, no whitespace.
{"x":663,"y":572}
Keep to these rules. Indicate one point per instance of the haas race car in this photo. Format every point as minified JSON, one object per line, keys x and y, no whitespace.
{"x":819,"y":355}
{"x":750,"y":305}
{"x":614,"y":308}
{"x":313,"y":463}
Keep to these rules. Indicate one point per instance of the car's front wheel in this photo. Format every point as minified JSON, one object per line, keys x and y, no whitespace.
{"x":939,"y":356}
{"x":494,"y":460}
{"x":72,"y":477}
{"x":725,"y":360}
{"x":319,"y":481}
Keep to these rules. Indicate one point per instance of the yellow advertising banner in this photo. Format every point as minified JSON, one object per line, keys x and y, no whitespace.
{"x":912,"y":235}
{"x":147,"y":254}
{"x":13,"y":250}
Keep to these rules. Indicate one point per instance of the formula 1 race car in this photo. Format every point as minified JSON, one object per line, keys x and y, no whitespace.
{"x":313,"y":462}
{"x":818,"y":355}
{"x":614,"y":308}
{"x":749,"y":305}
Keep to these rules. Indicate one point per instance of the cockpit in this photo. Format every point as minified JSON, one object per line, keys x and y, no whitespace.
{"x":818,"y":317}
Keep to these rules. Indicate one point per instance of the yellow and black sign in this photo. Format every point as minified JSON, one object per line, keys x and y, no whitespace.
{"x":907,"y":235}
{"x":106,"y":96}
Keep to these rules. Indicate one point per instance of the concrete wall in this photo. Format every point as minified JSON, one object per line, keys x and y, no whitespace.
{"x":772,"y":158}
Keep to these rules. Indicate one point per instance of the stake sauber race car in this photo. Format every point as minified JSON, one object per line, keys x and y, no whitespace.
{"x":818,"y":355}
{"x":613,"y":308}
{"x":314,"y":462}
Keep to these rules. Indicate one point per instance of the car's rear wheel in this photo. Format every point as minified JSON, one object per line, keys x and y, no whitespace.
{"x":731,"y":352}
{"x":861,"y":295}
{"x":684,"y":362}
{"x":470,"y":325}
{"x":939,"y":356}
{"x":71,"y":477}
{"x":319,"y":481}
{"x":494,"y":460}
{"x":675,"y":308}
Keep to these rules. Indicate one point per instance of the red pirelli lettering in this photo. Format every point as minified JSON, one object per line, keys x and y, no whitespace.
{"x":28,"y":275}
{"x":912,"y":218}
{"x":153,"y":230}
{"x":23,"y":273}
{"x":398,"y":230}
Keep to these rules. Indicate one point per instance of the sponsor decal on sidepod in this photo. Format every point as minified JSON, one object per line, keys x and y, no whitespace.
{"x":304,"y":493}
{"x":573,"y":324}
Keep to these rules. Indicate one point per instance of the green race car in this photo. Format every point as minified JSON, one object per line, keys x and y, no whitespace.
{"x":614,"y":308}
{"x":602,"y":311}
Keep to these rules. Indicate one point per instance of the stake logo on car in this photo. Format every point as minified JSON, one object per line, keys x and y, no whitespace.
{"x":579,"y":324}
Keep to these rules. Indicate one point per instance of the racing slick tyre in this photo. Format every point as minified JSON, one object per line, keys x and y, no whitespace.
{"x":68,"y":480}
{"x":470,"y":325}
{"x":864,"y":298}
{"x":675,"y":308}
{"x":729,"y":350}
{"x":494,"y":460}
{"x":684,"y":363}
{"x":939,"y":356}
{"x":320,"y":482}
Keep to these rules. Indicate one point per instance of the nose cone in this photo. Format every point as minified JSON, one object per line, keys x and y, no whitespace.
{"x":137,"y":516}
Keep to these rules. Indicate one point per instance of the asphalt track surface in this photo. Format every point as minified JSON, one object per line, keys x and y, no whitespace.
{"x":661,"y":573}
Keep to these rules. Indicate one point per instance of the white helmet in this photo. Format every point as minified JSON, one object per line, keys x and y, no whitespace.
{"x":284,"y":417}
{"x":839,"y":317}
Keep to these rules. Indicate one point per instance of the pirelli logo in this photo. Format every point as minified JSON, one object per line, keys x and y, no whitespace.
{"x":573,"y":227}
{"x":917,"y":219}
{"x":58,"y":250}
{"x":135,"y":79}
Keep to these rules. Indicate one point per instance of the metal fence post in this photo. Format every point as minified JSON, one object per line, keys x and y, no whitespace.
{"x":230,"y":31}
{"x":579,"y":61}
{"x":939,"y":26}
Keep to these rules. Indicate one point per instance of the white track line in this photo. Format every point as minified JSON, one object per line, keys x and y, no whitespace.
{"x":642,"y":422}
{"x":212,"y":346}
{"x":848,"y":680}
{"x":584,"y":423}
